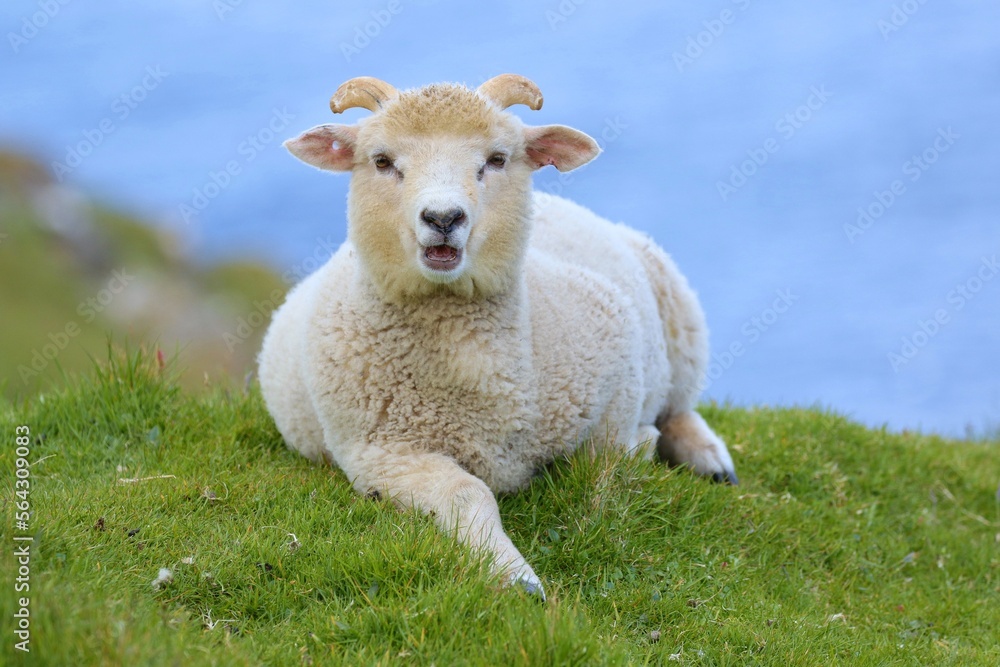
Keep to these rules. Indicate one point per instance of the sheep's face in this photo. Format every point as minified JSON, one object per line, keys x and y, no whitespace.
{"x":441,"y":188}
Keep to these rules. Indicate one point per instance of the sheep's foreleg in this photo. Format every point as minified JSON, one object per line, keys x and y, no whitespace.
{"x":461,"y":504}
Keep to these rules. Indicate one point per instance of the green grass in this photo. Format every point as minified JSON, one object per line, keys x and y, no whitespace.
{"x":843,"y":545}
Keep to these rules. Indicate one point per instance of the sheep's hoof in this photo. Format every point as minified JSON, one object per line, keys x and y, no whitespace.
{"x":728,"y":477}
{"x":531,"y":586}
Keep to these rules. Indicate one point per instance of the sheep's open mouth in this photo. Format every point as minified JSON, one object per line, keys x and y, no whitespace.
{"x":442,"y":257}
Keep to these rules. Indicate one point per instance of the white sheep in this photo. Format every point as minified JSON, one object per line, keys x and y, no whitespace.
{"x":469,"y":331}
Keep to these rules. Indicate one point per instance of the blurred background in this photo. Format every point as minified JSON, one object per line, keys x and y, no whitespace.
{"x":825,"y":174}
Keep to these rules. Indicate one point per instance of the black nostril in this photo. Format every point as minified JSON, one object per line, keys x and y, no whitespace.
{"x":443,"y":220}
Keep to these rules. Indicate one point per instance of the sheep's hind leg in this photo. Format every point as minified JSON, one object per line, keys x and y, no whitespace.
{"x":687,"y":440}
{"x":460,"y":503}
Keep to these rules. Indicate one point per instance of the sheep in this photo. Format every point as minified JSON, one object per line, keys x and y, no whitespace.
{"x":469,"y":331}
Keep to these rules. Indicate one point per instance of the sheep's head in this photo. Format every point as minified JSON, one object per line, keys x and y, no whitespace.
{"x":440,"y":192}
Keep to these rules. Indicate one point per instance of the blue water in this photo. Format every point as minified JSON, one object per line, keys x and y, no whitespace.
{"x":819,"y":108}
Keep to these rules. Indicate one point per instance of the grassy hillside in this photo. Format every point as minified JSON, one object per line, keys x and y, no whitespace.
{"x":73,"y":269}
{"x":843,"y":545}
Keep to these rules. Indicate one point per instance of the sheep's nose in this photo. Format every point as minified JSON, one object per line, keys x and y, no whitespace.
{"x":443,"y":220}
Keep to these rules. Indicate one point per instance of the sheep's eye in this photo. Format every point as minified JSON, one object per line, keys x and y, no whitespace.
{"x":382,"y":162}
{"x":498,"y":160}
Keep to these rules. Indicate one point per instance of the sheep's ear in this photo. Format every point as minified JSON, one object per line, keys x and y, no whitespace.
{"x":558,"y":145}
{"x":329,"y":147}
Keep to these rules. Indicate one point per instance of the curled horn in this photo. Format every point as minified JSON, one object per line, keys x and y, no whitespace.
{"x":363,"y":91}
{"x":509,"y":89}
